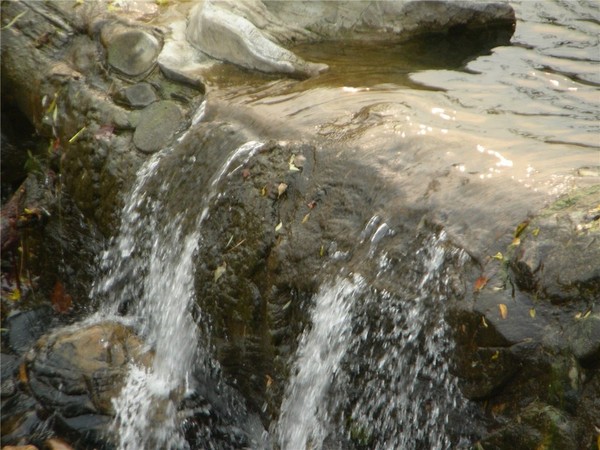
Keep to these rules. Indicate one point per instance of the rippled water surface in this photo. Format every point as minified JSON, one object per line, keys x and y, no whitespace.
{"x":524,"y":106}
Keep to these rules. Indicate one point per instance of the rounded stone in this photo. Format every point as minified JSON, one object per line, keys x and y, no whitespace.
{"x":157,"y":125}
{"x":139,"y":95}
{"x":133,"y":52}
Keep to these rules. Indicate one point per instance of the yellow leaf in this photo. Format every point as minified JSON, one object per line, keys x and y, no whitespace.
{"x":219,"y":271}
{"x":499,"y":256}
{"x":322,"y":251}
{"x":521,"y":227}
{"x":263,"y":191}
{"x":12,"y":22}
{"x":269,"y":381}
{"x":15,"y":295}
{"x":483,"y":322}
{"x":503,"y":310}
{"x":76,"y":135}
{"x":598,"y":441}
{"x":305,"y":219}
{"x":516,"y":241}
{"x":578,"y":315}
{"x":536,"y":231}
{"x":495,"y":355}
{"x":278,"y":227}
{"x":532,"y":313}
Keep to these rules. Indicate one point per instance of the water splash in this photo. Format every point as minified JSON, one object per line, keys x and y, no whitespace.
{"x":373,"y":370}
{"x":303,"y":418}
{"x":150,"y":273}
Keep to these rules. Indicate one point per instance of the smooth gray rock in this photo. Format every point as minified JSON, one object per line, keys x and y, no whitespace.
{"x":157,"y":125}
{"x":139,"y":95}
{"x":132,"y":52}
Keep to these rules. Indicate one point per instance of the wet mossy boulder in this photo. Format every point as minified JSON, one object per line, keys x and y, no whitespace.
{"x":557,"y":257}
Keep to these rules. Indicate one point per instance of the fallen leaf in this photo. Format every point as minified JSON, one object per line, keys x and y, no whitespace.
{"x":263,"y":191}
{"x":495,"y":355}
{"x":105,"y":132}
{"x":480,"y":283}
{"x":292,"y":166}
{"x":536,"y":231}
{"x":521,"y":227}
{"x":515,"y":242}
{"x":61,"y":301}
{"x":578,"y":316}
{"x":312,"y":204}
{"x":281,"y":189}
{"x":246,"y":173}
{"x":499,"y":256}
{"x":12,"y":22}
{"x":23,"y":373}
{"x":483,"y":322}
{"x":322,"y":251}
{"x":269,"y":381}
{"x":219,"y":271}
{"x":532,"y":313}
{"x":305,"y":218}
{"x":503,"y":310}
{"x":278,"y":227}
{"x":15,"y":295}
{"x":76,"y":135}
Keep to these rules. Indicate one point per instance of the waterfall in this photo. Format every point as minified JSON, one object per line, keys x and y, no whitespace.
{"x":149,"y":272}
{"x":372,"y":369}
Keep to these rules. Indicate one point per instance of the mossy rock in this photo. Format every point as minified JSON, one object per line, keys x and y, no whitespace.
{"x":556,"y":256}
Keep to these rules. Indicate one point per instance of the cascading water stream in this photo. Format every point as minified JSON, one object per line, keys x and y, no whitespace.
{"x":372,"y":370}
{"x":150,"y":273}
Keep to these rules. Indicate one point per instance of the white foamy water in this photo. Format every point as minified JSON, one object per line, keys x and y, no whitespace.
{"x":304,"y":416}
{"x":150,"y":269}
{"x":372,"y":368}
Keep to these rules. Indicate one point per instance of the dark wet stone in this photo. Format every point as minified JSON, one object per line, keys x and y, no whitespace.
{"x":157,"y":125}
{"x":24,"y":328}
{"x":557,"y":258}
{"x":538,"y":426}
{"x":139,"y":95}
{"x":133,"y":52}
{"x":584,"y":339}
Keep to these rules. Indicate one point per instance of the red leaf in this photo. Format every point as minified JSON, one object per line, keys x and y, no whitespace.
{"x":480,"y":283}
{"x":61,"y":301}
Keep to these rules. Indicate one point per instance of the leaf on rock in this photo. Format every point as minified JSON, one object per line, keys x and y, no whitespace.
{"x":281,"y":189}
{"x":532,"y":313}
{"x":483,"y":322}
{"x":61,"y":301}
{"x":305,"y":218}
{"x":263,"y":191}
{"x":521,"y":227}
{"x":499,"y":256}
{"x":480,"y":283}
{"x":496,"y":355}
{"x":278,"y":227}
{"x":292,"y":166}
{"x":536,"y":231}
{"x":503,"y":310}
{"x":268,"y":381}
{"x":219,"y":271}
{"x":516,"y":242}
{"x":23,"y":374}
{"x":15,"y":295}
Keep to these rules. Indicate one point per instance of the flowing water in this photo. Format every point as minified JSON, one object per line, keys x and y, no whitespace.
{"x":517,"y":121}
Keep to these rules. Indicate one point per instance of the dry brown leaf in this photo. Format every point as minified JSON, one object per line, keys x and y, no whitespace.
{"x":503,"y":310}
{"x":61,"y":301}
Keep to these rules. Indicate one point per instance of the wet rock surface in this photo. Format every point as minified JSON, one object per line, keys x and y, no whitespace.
{"x":529,"y":342}
{"x":157,"y":125}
